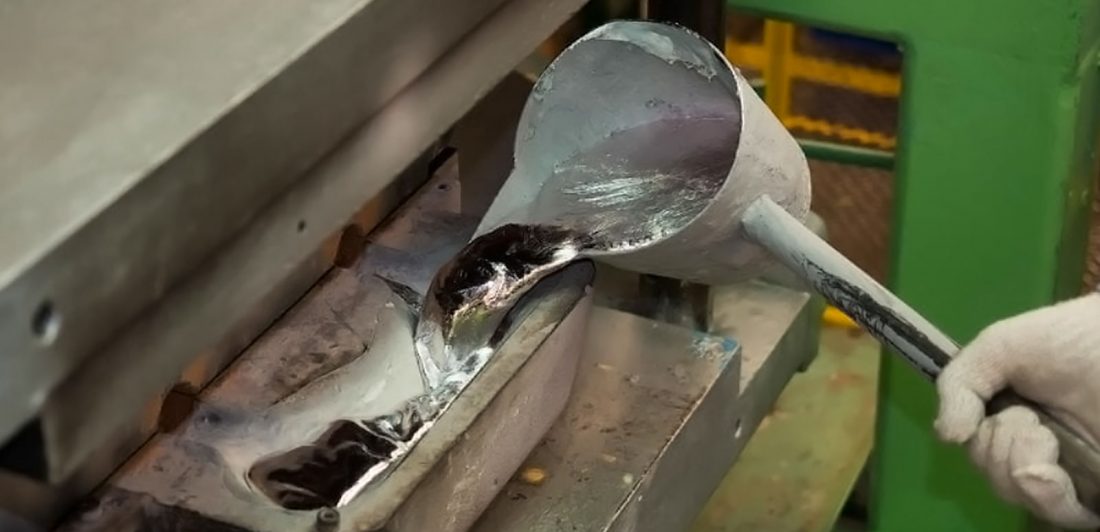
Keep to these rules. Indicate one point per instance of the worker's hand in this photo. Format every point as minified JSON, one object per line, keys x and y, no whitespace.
{"x":1051,"y":356}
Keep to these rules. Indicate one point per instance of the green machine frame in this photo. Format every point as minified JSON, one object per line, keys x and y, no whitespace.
{"x":994,"y":170}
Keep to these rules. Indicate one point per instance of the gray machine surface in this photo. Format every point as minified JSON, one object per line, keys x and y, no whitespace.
{"x":654,"y":404}
{"x":229,"y":145}
{"x":248,"y":272}
{"x":166,"y":127}
{"x":652,"y":427}
{"x":344,"y":352}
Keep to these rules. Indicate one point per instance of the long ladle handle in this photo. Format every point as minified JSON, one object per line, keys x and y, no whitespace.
{"x":892,"y":322}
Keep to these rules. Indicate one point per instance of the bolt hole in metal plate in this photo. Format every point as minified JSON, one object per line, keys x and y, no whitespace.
{"x":46,"y":323}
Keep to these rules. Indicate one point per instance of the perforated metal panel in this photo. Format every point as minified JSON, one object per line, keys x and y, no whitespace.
{"x":856,"y":204}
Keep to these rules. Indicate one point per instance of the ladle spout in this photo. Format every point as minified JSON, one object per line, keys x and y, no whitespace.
{"x":470,"y":297}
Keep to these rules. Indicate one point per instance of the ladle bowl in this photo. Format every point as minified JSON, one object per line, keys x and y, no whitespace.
{"x":674,"y":142}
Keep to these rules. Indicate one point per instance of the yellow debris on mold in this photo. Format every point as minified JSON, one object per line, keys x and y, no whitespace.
{"x":834,"y":317}
{"x":533,"y":476}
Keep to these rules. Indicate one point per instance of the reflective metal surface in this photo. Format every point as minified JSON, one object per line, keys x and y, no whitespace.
{"x":309,"y":372}
{"x":652,"y":426}
{"x":292,"y":425}
{"x":139,"y":137}
{"x":629,"y":138}
{"x":470,"y":296}
{"x":642,"y":135}
{"x":219,"y":309}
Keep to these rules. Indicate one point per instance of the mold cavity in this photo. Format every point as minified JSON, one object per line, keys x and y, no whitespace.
{"x":317,"y":476}
{"x":327,"y":519}
{"x":342,"y":461}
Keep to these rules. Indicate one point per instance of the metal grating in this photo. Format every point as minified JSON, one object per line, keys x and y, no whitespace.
{"x":856,"y":205}
{"x":845,"y":108}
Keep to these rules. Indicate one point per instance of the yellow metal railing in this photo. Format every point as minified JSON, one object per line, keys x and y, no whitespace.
{"x":781,"y":65}
{"x":779,"y":40}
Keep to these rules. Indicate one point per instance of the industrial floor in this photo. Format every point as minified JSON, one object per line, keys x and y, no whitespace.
{"x":799,"y":468}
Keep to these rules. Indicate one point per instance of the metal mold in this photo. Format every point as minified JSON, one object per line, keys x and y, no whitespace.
{"x":652,"y":426}
{"x":206,"y":318}
{"x":161,"y":102}
{"x":341,"y":361}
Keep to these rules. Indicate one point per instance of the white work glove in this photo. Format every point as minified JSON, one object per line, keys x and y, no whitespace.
{"x":1051,"y":356}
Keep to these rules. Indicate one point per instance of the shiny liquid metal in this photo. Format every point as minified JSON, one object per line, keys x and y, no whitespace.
{"x":627,"y":139}
{"x":637,"y":186}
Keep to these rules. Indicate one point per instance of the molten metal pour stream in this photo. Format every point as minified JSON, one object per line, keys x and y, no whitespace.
{"x":636,"y":186}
